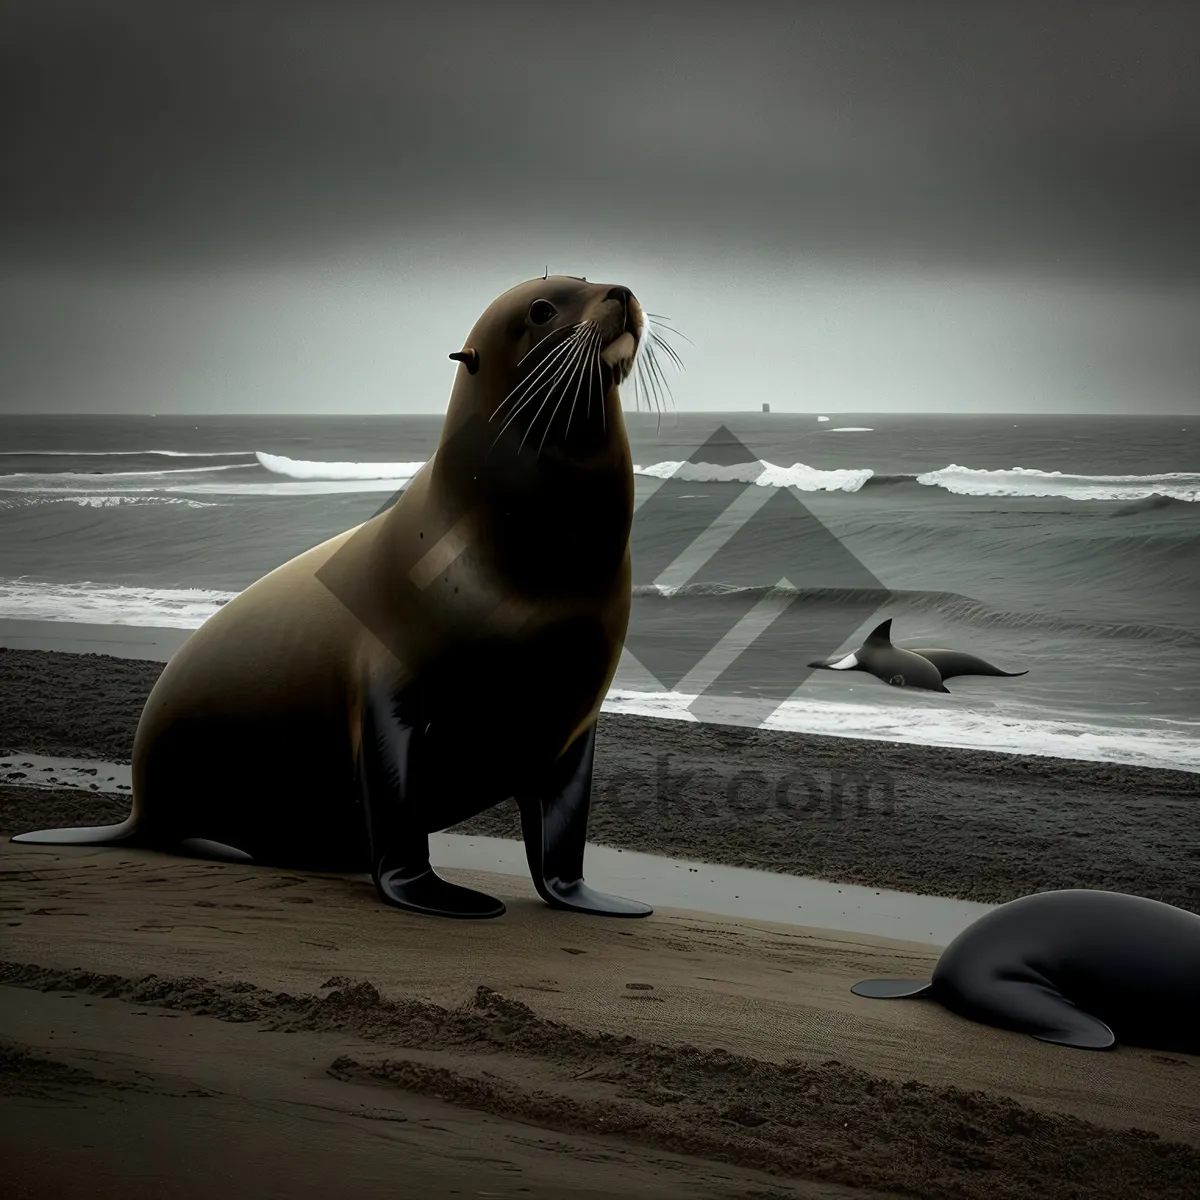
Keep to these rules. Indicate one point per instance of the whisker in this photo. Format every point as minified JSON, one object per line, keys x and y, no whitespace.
{"x":649,"y":389}
{"x":676,"y":332}
{"x":579,"y":364}
{"x":668,"y":350}
{"x":593,"y":348}
{"x":656,"y":373}
{"x":663,"y":376}
{"x":532,"y":380}
{"x":544,"y":386}
{"x":642,"y":390}
{"x":568,"y":366}
{"x":645,"y":375}
{"x":562,"y":329}
{"x":600,"y":383}
{"x":553,"y":358}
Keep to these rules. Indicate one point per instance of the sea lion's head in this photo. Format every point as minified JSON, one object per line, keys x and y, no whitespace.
{"x":534,"y":442}
{"x":543,"y":367}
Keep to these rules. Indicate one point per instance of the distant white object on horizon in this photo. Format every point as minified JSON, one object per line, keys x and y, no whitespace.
{"x":822,"y":418}
{"x":852,"y":429}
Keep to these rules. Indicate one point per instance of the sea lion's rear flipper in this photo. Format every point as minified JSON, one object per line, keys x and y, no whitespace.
{"x":399,"y":845}
{"x":127,"y":833}
{"x":891,"y":989}
{"x":1034,"y":1008}
{"x":1087,"y":1033}
{"x":554,"y":823}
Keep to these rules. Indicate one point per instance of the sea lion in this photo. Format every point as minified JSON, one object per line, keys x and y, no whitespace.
{"x":902,"y":667}
{"x":448,"y":654}
{"x":1076,"y":967}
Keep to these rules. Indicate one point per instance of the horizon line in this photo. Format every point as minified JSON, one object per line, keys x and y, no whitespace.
{"x":723,"y":412}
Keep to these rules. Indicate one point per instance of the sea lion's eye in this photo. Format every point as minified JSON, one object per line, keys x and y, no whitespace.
{"x":541,"y":311}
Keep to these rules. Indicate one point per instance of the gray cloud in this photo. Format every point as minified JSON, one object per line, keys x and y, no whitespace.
{"x":302,"y":207}
{"x":1054,"y":138}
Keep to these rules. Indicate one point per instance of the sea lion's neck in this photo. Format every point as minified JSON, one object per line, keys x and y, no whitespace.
{"x":545,"y":521}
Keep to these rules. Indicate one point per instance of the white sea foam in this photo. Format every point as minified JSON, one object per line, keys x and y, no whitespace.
{"x":291,"y":487}
{"x":295,"y":468}
{"x":800,"y":476}
{"x":852,"y":429}
{"x":765,"y":474}
{"x":1176,"y":745}
{"x":1026,"y":481}
{"x":109,"y":604}
{"x":98,"y":500}
{"x":126,"y":453}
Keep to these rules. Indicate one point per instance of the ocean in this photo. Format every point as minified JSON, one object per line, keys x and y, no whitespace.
{"x":1065,"y":546}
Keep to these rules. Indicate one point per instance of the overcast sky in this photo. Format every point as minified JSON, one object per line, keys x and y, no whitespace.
{"x":303,"y":207}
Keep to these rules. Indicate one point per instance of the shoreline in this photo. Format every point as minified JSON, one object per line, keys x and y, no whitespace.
{"x":964,"y":824}
{"x":826,"y":711}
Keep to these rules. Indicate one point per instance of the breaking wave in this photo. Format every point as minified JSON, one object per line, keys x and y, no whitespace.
{"x":968,"y":481}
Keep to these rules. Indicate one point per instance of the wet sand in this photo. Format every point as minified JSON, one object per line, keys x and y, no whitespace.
{"x":173,"y":1027}
{"x":628,"y":1045}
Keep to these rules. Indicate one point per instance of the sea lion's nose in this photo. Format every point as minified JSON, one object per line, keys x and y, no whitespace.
{"x":622,"y":295}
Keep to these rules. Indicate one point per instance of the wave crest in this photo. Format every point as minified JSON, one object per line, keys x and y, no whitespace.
{"x":295,"y":468}
{"x":1028,"y":481}
{"x":964,"y":481}
{"x":799,"y":476}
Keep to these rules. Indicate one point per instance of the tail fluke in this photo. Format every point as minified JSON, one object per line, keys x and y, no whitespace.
{"x":126,"y":832}
{"x":955,"y":662}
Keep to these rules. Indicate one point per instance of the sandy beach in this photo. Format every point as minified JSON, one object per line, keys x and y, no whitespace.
{"x":174,"y":1027}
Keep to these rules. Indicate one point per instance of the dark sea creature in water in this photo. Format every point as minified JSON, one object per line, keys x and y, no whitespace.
{"x":920,"y":667}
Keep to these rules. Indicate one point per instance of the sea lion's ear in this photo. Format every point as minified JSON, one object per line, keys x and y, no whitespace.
{"x":468,"y":356}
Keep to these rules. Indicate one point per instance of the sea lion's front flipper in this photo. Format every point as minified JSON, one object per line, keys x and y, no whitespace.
{"x":396,"y":836}
{"x":554,"y":819}
{"x":891,"y":989}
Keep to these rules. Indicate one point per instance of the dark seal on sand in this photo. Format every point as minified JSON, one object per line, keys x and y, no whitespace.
{"x":1076,"y":967}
